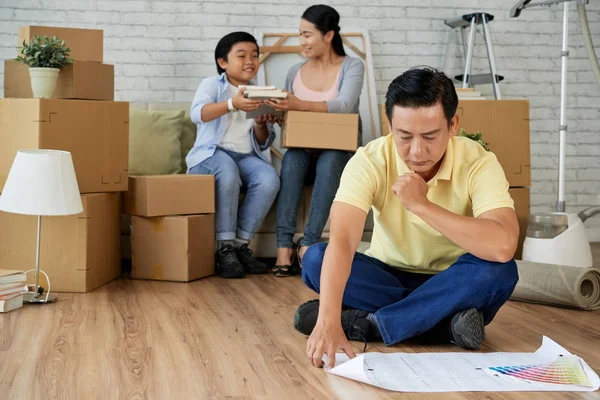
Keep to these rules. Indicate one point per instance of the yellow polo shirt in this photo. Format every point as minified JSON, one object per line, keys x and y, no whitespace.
{"x":470,"y":181}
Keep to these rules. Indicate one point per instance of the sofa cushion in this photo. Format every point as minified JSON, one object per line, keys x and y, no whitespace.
{"x":188,"y":137}
{"x":154,"y":142}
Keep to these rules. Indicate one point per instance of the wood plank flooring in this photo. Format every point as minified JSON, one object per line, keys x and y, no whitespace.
{"x":218,"y":338}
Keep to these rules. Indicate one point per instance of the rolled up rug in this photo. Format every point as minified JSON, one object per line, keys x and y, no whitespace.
{"x":558,"y":285}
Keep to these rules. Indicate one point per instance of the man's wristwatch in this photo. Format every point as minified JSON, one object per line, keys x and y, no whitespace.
{"x":230,"y":106}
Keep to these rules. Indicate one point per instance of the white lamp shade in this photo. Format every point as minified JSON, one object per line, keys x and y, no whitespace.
{"x":41,"y":182}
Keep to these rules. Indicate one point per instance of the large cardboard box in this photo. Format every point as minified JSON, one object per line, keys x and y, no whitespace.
{"x":385,"y":125}
{"x":162,"y":195}
{"x":176,"y":248}
{"x":95,"y":132}
{"x":312,"y":130}
{"x":79,"y":252}
{"x":522,"y":208}
{"x":505,"y":126}
{"x":85,"y":44}
{"x":79,"y":80}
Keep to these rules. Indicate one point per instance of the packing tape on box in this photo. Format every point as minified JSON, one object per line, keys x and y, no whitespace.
{"x":158,"y":224}
{"x":157,"y":271}
{"x":558,"y":285}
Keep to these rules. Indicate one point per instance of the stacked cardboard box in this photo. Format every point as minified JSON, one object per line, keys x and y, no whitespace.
{"x":505,"y":126}
{"x":81,"y":252}
{"x":172,"y":226}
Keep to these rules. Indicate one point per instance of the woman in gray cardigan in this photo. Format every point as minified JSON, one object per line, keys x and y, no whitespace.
{"x":329,"y":81}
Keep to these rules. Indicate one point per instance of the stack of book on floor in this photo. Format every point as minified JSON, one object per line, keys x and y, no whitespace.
{"x":468,"y":94}
{"x":11,"y":289}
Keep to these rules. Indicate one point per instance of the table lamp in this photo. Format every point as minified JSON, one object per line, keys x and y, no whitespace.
{"x":41,"y":183}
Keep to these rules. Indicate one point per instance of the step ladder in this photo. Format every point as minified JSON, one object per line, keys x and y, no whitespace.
{"x":471,"y":21}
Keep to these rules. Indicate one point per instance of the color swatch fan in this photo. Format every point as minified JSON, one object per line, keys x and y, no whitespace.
{"x":562,"y":371}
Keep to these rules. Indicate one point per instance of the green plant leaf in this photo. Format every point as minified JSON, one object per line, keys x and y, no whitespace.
{"x":44,"y":52}
{"x":477,"y":137}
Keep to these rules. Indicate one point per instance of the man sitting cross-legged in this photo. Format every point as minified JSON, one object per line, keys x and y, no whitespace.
{"x":440,"y":263}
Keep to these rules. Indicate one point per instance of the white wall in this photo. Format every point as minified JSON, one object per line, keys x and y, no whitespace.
{"x":162,"y":49}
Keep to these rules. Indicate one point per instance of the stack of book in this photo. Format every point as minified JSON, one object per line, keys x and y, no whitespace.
{"x":263,"y":93}
{"x":468,"y":94}
{"x":11,"y":289}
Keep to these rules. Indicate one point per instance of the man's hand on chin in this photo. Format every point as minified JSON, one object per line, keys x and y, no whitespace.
{"x":411,"y":189}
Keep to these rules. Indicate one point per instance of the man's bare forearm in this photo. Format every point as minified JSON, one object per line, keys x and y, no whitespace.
{"x":335,"y":271}
{"x":484,"y":238}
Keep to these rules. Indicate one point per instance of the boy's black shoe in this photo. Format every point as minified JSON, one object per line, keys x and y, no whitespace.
{"x":227,"y":263}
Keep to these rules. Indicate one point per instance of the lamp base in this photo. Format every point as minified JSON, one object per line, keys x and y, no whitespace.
{"x":29,"y":298}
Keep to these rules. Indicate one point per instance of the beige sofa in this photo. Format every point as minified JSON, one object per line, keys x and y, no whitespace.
{"x":264,"y":244}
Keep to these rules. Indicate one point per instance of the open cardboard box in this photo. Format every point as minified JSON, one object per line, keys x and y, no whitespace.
{"x":310,"y":130}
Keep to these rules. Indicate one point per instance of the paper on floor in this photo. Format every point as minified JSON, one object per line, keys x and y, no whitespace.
{"x":472,"y":372}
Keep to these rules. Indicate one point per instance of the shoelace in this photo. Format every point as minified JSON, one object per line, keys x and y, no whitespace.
{"x":246,"y":250}
{"x":354,"y":332}
{"x":228,"y":252}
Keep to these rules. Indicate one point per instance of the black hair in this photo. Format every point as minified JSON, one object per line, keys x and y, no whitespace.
{"x":326,"y":19}
{"x":227,"y":42}
{"x":422,"y":87}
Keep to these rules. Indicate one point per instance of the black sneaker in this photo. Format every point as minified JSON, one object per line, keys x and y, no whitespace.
{"x":467,"y":329}
{"x":227,"y":263}
{"x":354,"y":322}
{"x":251,"y":264}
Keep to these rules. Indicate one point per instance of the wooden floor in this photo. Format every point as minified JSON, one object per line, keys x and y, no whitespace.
{"x":218,"y":338}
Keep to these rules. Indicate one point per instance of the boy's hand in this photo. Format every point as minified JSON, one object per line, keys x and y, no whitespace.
{"x":244,"y":104}
{"x":262,"y":119}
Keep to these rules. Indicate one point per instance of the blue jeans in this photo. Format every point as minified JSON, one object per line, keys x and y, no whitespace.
{"x":410,"y":304}
{"x":235,"y":173}
{"x":300,"y":167}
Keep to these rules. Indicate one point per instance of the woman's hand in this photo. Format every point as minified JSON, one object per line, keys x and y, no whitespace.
{"x":244,"y":104}
{"x":292,"y":103}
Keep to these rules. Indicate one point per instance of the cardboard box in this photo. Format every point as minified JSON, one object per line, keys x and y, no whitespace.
{"x":95,"y":132}
{"x":312,"y":130}
{"x":176,"y":248}
{"x":385,"y":125}
{"x":79,"y":80}
{"x":505,"y":126}
{"x":162,"y":195}
{"x":85,"y":44}
{"x":522,"y":208}
{"x":78,"y":252}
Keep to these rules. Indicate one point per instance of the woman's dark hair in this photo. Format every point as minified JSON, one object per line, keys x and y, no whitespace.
{"x":226,"y":43}
{"x":422,"y":87}
{"x":326,"y":19}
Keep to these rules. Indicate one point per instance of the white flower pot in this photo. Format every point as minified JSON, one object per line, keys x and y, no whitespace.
{"x":43,"y":81}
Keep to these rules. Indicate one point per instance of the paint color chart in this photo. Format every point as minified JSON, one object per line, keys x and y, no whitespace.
{"x":563,"y":371}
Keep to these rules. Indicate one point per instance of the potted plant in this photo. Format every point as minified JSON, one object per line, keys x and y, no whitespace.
{"x":477,"y":136}
{"x":45,"y":57}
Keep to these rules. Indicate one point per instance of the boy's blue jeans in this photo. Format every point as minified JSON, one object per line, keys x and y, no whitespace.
{"x":409,"y":304}
{"x":235,"y":173}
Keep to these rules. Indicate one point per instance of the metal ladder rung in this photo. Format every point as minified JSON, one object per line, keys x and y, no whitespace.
{"x":479,"y":79}
{"x":464,"y":21}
